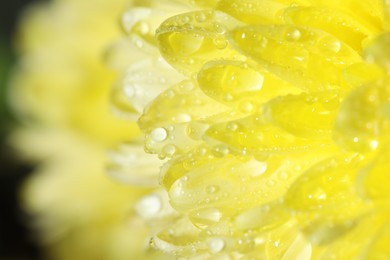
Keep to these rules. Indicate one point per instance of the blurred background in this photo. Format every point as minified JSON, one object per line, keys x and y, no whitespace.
{"x":15,"y":240}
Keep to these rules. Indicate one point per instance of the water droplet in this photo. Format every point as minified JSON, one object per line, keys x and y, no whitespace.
{"x":205,"y":217}
{"x":139,"y":43}
{"x":228,"y":97}
{"x":200,"y":17}
{"x":293,"y":34}
{"x":329,"y":44}
{"x":374,"y":144}
{"x":260,"y":169}
{"x":246,"y":107}
{"x":163,"y":80}
{"x":148,"y":206}
{"x":231,"y":126}
{"x":181,"y":118}
{"x":219,"y":28}
{"x":159,"y":134}
{"x":129,"y":90}
{"x":212,"y":189}
{"x":169,"y":149}
{"x":216,"y":245}
{"x":220,"y":151}
{"x":220,"y":42}
{"x":169,"y":93}
{"x":143,"y":27}
{"x":185,"y":19}
{"x":271,"y":183}
{"x":283,"y":175}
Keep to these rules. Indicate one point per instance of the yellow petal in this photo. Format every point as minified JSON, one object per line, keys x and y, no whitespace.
{"x":329,"y":20}
{"x":189,"y":40}
{"x":316,"y":59}
{"x":231,"y":82}
{"x":307,"y":115}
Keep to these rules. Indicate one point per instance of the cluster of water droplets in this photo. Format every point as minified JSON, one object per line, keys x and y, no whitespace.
{"x":274,"y":118}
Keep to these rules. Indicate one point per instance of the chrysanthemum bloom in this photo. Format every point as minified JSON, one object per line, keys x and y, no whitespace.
{"x":276,"y":132}
{"x":61,"y":90}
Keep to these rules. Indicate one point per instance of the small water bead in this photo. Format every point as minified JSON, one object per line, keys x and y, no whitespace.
{"x":329,"y":45}
{"x":219,"y":28}
{"x":220,"y":151}
{"x":283,"y":175}
{"x":142,"y":28}
{"x":246,"y":106}
{"x":159,"y":134}
{"x":186,"y":44}
{"x":220,"y":42}
{"x":211,"y":189}
{"x":139,"y":43}
{"x":185,"y":19}
{"x":293,"y":34}
{"x":169,"y":93}
{"x":260,"y":169}
{"x":129,"y":90}
{"x":271,"y":183}
{"x":228,"y":97}
{"x":149,"y":206}
{"x":231,"y":126}
{"x":181,"y":118}
{"x":177,"y":137}
{"x":169,"y":149}
{"x":216,"y":245}
{"x":201,"y":17}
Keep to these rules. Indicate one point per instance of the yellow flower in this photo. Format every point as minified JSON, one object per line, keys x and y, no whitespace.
{"x":276,"y":132}
{"x":60,"y":91}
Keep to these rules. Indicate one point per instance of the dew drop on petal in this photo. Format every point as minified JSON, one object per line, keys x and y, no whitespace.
{"x":148,"y":206}
{"x":216,"y":245}
{"x":159,"y":134}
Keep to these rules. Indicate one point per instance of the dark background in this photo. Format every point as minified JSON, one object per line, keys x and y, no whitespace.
{"x":15,"y":239}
